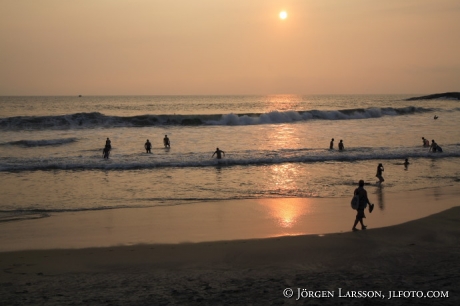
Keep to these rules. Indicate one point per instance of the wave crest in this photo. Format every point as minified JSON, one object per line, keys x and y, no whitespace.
{"x":95,"y":119}
{"x":41,"y":142}
{"x":253,"y":157}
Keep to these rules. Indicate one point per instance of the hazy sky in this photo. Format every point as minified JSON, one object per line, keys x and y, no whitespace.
{"x":113,"y":47}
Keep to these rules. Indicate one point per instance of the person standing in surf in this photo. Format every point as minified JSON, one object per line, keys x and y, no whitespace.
{"x":108,"y":144}
{"x":107,"y":148}
{"x":341,"y":146}
{"x":406,"y":163}
{"x":166,"y":142}
{"x":148,"y":146}
{"x":331,"y":145}
{"x":379,"y":174}
{"x":218,"y":153}
{"x":106,"y":152}
{"x":363,"y":201}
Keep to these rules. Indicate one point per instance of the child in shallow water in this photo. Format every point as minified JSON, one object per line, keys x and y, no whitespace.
{"x":379,"y":173}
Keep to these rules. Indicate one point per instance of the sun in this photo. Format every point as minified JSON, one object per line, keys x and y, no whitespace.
{"x":283,"y":15}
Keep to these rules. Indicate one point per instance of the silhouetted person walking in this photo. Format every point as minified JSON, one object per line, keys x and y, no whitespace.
{"x":363,"y":201}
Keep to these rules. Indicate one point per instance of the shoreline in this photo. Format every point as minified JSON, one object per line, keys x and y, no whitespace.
{"x":219,"y":221}
{"x":420,"y":255}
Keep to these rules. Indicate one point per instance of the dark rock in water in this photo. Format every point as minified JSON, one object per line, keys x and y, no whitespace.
{"x":446,"y":95}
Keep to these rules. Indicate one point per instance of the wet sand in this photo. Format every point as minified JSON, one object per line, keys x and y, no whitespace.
{"x":218,"y":221}
{"x":420,"y":255}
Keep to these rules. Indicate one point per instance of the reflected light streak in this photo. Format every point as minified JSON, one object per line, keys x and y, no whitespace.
{"x":282,"y":176}
{"x":284,"y":102}
{"x":287,"y":211}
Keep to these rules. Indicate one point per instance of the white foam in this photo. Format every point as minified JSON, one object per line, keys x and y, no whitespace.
{"x":93,"y":120}
{"x":248,"y":157}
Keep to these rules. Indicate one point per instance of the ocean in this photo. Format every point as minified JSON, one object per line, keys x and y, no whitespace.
{"x":276,"y":146}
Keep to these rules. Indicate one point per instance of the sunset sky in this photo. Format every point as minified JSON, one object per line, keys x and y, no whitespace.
{"x":155,"y":47}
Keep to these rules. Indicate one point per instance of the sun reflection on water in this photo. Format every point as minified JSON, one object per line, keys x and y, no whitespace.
{"x":284,"y":102}
{"x":286,"y":212}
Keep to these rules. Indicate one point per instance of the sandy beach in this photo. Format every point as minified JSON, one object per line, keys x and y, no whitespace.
{"x":300,"y":99}
{"x":418,"y":257}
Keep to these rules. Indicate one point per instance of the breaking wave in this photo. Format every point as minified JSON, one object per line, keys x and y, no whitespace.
{"x":41,"y":142}
{"x":252,"y":157}
{"x":95,"y":119}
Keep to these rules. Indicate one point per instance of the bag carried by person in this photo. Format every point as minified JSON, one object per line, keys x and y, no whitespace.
{"x":355,"y":201}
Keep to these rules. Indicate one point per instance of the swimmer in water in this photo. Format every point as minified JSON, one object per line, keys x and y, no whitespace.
{"x":218,"y":153}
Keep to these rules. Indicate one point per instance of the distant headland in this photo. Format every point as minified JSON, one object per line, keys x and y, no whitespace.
{"x":446,"y":95}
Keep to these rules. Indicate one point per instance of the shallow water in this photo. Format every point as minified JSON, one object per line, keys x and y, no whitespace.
{"x":275,"y":146}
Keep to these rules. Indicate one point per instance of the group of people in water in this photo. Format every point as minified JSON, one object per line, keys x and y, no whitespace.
{"x":148,"y":148}
{"x":434,"y":147}
{"x":148,"y":144}
{"x":341,"y":146}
